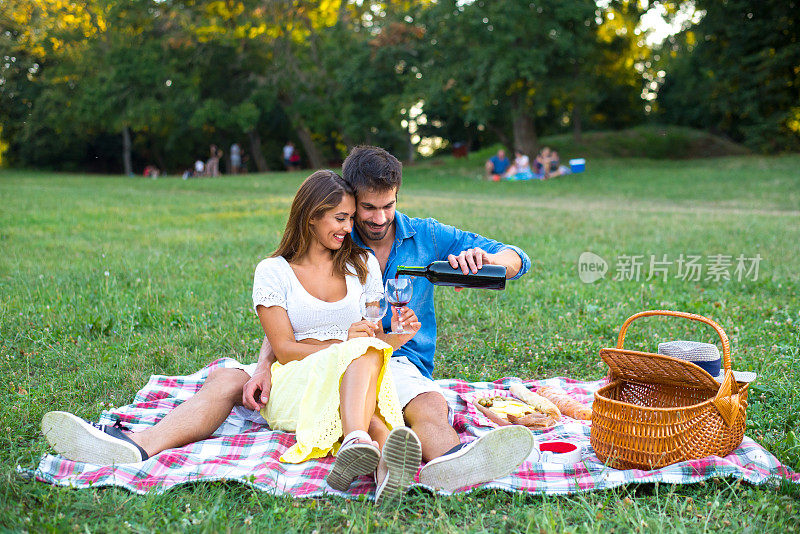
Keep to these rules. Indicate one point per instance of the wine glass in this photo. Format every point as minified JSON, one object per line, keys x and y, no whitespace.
{"x":373,"y":306}
{"x":398,"y":293}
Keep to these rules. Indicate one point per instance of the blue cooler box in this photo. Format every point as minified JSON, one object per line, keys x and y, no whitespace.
{"x":577,"y":165}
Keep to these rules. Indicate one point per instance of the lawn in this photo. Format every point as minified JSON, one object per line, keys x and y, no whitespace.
{"x":107,"y":280}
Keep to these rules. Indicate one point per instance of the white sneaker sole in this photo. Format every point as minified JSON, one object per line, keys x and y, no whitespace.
{"x":402,"y":453}
{"x":75,"y":439}
{"x":492,"y":456}
{"x":352,"y":461}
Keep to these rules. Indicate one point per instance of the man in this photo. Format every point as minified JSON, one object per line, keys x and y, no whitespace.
{"x":396,"y":239}
{"x":236,"y":158}
{"x":497,"y":165}
{"x":291,"y":158}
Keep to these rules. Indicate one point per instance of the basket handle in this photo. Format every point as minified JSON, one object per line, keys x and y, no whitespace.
{"x":726,"y":347}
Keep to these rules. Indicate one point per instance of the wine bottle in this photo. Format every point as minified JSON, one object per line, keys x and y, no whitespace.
{"x":440,"y":273}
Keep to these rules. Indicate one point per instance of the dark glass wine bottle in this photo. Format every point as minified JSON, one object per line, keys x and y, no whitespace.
{"x":440,"y":273}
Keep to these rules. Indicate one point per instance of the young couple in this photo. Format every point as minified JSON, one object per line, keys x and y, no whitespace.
{"x":322,"y":371}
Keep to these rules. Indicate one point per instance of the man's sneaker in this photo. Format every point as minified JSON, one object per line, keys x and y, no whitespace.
{"x":83,"y":441}
{"x":491,"y":456}
{"x":402,"y":454}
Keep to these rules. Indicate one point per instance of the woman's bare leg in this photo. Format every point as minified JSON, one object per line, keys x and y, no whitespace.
{"x":358,"y":391}
{"x":378,"y":430}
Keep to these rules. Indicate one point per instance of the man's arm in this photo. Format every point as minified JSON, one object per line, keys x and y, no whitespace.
{"x":470,"y":251}
{"x":471,"y":260}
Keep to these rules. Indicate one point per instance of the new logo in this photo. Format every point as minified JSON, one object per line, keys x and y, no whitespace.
{"x":591,"y":267}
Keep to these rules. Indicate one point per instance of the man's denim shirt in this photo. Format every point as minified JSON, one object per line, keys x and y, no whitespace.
{"x":419,"y":242}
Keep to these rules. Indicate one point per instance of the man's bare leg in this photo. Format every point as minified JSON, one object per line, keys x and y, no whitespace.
{"x":426,"y":414}
{"x":191,"y":421}
{"x":197,"y":418}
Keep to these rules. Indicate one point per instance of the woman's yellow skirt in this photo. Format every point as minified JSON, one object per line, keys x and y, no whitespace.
{"x":305,"y":397}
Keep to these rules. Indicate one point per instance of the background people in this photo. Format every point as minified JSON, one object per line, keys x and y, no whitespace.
{"x":236,"y":158}
{"x":548,"y":165}
{"x":291,"y":159}
{"x":212,"y":165}
{"x":497,"y":165}
{"x":520,"y":169}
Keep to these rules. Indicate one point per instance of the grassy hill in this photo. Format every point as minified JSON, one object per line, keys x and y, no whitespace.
{"x":653,"y":142}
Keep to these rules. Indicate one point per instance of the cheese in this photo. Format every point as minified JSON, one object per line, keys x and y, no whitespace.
{"x":506,"y":406}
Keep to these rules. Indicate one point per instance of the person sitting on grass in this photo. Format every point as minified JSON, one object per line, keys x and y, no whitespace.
{"x":497,"y":165}
{"x":547,"y":164}
{"x":331,"y":377}
{"x":520,"y":169}
{"x":397,"y":239}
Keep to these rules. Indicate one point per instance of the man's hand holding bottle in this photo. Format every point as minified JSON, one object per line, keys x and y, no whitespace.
{"x":470,"y":260}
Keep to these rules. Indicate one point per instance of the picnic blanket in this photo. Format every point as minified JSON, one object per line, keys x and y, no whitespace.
{"x":248,"y":453}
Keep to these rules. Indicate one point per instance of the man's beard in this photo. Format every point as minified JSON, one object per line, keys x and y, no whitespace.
{"x":372,"y":235}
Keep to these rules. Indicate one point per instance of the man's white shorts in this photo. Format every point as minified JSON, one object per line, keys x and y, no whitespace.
{"x":410,"y":382}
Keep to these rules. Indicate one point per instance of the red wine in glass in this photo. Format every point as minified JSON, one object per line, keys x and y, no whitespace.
{"x":398,"y":294}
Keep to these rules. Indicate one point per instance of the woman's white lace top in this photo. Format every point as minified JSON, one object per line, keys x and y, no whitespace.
{"x":275,"y":284}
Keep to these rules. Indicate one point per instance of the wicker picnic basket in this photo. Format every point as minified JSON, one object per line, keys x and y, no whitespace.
{"x":657,"y":410}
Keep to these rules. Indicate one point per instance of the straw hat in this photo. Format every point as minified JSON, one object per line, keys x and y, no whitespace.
{"x":704,"y":355}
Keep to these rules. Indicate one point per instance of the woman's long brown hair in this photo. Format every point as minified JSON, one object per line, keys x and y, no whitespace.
{"x":320,"y":192}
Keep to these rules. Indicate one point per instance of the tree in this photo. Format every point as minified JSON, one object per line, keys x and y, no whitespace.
{"x":505,"y":61}
{"x":736,"y":73}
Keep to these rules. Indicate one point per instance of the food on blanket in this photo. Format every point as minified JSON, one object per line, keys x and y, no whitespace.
{"x":568,"y":406}
{"x":534,"y":420}
{"x":539,"y":403}
{"x":493,"y":417}
{"x":505,"y":406}
{"x":509,"y":410}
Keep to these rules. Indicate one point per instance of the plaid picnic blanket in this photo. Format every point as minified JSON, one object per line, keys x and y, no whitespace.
{"x":248,"y":453}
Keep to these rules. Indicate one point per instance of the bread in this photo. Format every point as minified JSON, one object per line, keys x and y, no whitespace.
{"x":532,"y":411}
{"x":568,"y":406}
{"x":539,"y":403}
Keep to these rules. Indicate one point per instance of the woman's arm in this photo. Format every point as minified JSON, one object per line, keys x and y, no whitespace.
{"x":278,"y":328}
{"x":276,"y":325}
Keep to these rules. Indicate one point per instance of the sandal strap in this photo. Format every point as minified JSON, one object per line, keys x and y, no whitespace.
{"x":356,"y":435}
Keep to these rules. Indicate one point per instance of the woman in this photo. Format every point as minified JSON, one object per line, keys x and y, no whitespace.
{"x":520,"y":169}
{"x":548,"y":165}
{"x":331,"y":377}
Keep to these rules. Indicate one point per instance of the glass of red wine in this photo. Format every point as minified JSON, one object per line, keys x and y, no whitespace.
{"x":398,"y":294}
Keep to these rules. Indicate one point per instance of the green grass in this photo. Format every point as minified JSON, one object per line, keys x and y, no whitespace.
{"x":106,"y":280}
